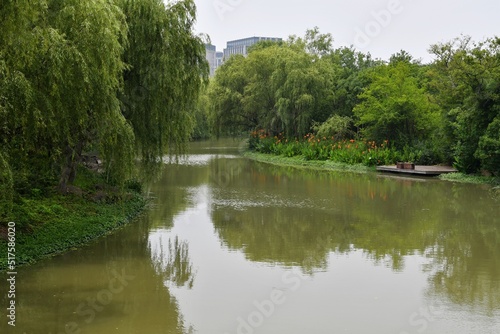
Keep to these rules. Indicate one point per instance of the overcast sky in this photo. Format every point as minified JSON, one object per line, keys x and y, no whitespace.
{"x":381,"y":27}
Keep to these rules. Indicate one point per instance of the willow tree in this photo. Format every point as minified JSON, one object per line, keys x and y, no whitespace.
{"x":278,"y":87}
{"x":60,"y":88}
{"x":88,"y":102}
{"x":167,"y":69}
{"x":17,"y":42}
{"x":63,"y":87}
{"x":226,"y":115}
{"x":304,"y":91}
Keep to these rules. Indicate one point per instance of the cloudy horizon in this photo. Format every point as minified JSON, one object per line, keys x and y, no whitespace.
{"x":381,"y":27}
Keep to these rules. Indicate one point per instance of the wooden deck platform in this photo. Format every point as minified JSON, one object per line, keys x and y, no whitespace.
{"x":419,"y":170}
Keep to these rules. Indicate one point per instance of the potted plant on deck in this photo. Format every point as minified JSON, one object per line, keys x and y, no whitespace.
{"x":405,"y":165}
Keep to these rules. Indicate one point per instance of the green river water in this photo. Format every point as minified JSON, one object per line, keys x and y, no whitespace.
{"x":233,"y":246}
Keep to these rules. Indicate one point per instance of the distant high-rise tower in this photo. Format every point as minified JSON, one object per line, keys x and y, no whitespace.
{"x":215,"y":58}
{"x":211,"y":55}
{"x":219,"y":58}
{"x":241,"y":46}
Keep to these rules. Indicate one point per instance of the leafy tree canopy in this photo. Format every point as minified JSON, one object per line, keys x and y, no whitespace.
{"x":110,"y":77}
{"x":395,"y":107}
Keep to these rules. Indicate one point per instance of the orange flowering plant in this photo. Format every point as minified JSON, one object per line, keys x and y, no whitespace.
{"x":310,"y":147}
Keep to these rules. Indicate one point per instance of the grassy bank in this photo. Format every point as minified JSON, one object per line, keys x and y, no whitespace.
{"x":50,"y":224}
{"x":346,"y":155}
{"x":301,"y":162}
{"x":474,"y":179}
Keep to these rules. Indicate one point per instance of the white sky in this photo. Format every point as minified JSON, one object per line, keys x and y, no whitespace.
{"x":381,"y":27}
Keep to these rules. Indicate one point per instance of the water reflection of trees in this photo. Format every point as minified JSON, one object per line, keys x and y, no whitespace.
{"x":286,"y":216}
{"x":171,"y":194}
{"x":53,"y":290}
{"x":173,"y":264}
{"x":466,"y":266}
{"x":277,"y":235}
{"x":299,"y":216}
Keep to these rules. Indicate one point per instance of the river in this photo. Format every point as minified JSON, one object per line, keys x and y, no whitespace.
{"x":234,"y":246}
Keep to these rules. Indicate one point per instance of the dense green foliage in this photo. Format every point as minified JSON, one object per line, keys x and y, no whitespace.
{"x":109,"y":78}
{"x":282,"y":88}
{"x":166,"y":67}
{"x":466,"y":80}
{"x":447,"y":111}
{"x":395,"y":107}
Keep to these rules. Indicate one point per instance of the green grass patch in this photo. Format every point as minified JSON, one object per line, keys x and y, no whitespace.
{"x":474,"y":179}
{"x":301,"y":162}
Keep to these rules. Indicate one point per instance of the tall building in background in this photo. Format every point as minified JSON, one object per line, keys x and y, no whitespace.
{"x":241,"y":46}
{"x":219,"y":58}
{"x":216,"y":58}
{"x":211,"y":55}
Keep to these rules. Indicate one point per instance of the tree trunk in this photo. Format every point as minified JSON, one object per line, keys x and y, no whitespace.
{"x":71,"y":160}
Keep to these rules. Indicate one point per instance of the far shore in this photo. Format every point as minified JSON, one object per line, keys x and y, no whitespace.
{"x":301,"y":162}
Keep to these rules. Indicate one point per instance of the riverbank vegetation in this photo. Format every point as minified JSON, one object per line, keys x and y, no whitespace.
{"x":96,"y":83}
{"x":303,"y":97}
{"x":51,"y":223}
{"x":300,"y":162}
{"x":352,"y":151}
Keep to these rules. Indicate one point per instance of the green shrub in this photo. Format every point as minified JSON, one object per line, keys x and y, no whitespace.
{"x":134,"y":185}
{"x":336,"y":127}
{"x":292,"y":150}
{"x":309,"y":152}
{"x":489,"y":148}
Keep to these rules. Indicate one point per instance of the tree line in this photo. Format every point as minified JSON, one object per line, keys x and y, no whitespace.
{"x":115,"y":77}
{"x":448,"y":109}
